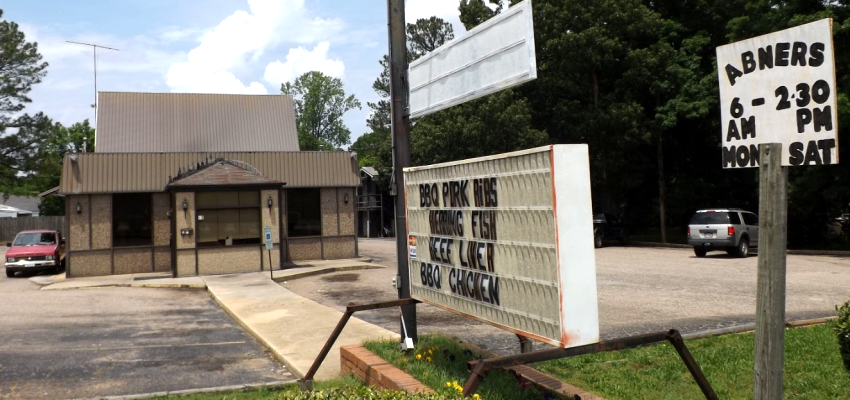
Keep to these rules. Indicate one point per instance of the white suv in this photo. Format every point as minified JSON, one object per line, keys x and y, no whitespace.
{"x":730,"y":229}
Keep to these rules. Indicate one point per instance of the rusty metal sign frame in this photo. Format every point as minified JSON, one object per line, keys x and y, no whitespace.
{"x":480,"y":368}
{"x":306,"y":382}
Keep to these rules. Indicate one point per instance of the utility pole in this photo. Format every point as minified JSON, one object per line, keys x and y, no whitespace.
{"x":94,"y":51}
{"x":399,"y":106}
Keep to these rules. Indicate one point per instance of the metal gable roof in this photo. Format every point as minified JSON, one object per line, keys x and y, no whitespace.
{"x":130,"y":122}
{"x":150,"y":172}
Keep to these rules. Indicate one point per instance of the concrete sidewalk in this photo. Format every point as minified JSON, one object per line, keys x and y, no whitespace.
{"x":294,"y":328}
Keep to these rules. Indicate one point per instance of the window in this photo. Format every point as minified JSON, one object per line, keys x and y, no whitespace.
{"x":734,"y":219}
{"x":228,"y":218}
{"x":304,"y":212}
{"x":35,"y":239}
{"x":707,"y":218}
{"x":131,"y":219}
{"x":751,"y":219}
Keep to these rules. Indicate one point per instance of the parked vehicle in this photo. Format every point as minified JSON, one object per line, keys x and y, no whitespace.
{"x":608,"y":227}
{"x":33,"y":251}
{"x":730,"y":229}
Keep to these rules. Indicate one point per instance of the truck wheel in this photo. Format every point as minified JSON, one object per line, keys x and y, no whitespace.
{"x":10,"y":274}
{"x":597,"y":241}
{"x":743,"y":248}
{"x":699,"y":251}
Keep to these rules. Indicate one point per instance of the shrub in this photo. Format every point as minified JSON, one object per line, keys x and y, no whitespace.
{"x":842,"y":330}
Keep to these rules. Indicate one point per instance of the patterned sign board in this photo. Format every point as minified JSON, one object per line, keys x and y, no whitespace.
{"x":508,"y":240}
{"x":780,"y":88}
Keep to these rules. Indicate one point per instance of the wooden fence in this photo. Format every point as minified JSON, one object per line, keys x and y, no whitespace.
{"x":9,"y":227}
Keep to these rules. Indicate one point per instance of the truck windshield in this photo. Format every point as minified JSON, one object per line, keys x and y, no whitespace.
{"x":707,"y":218}
{"x":34,"y":239}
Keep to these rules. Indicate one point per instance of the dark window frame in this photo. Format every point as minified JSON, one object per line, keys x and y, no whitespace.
{"x":136,"y":228}
{"x":302,"y":227}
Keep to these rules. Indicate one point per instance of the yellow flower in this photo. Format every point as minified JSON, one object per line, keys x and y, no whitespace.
{"x":419,"y":356}
{"x":427,"y":359}
{"x":454,"y":383}
{"x":448,"y":384}
{"x":424,"y":374}
{"x":431,"y":351}
{"x":476,"y":396}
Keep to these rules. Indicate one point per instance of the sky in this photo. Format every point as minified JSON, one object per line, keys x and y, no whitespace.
{"x":207,"y":46}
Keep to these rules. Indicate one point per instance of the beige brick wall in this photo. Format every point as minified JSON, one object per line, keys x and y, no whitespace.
{"x":305,"y":249}
{"x":101,"y":221}
{"x":80,"y":229}
{"x":329,"y":219}
{"x":339,"y":247}
{"x":90,"y":263}
{"x":132,"y":261}
{"x":228,"y":260}
{"x":271,"y":217}
{"x":346,"y":211}
{"x":184,"y":220}
{"x":186,"y":262}
{"x":161,"y":222}
{"x":162,"y":259}
{"x":275,"y":258}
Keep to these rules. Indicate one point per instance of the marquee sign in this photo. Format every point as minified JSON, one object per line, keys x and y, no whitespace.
{"x":780,"y":88}
{"x":508,"y":240}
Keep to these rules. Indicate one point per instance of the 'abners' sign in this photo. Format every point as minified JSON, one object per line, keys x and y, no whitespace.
{"x":508,"y":240}
{"x":780,"y":88}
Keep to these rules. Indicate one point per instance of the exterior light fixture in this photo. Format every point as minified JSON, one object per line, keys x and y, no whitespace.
{"x":168,"y":213}
{"x":345,"y":198}
{"x":185,"y":206}
{"x":269,"y":202}
{"x":79,"y":208}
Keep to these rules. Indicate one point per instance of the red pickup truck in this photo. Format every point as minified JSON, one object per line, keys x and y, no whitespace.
{"x":35,"y":251}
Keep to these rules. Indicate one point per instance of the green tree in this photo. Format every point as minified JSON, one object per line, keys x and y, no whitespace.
{"x":320,"y":103}
{"x":20,"y":68}
{"x":426,"y":35}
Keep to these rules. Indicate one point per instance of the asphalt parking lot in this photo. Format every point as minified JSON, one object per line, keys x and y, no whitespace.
{"x":119,"y":341}
{"x":640,"y":290}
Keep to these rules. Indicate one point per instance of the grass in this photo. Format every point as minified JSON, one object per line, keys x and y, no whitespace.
{"x":447,"y":364}
{"x":813,"y":368}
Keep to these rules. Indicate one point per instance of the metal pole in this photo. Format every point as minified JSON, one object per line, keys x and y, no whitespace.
{"x":770,"y":301}
{"x":95,"y":78}
{"x":401,"y":150}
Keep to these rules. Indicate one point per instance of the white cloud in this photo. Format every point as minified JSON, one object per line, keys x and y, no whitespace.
{"x":300,"y":61}
{"x":445,"y":9}
{"x":242,"y":38}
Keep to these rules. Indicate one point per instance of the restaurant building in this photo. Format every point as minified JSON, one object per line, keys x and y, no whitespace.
{"x":188,"y":183}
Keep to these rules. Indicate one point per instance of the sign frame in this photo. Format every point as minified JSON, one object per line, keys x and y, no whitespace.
{"x":567,"y":236}
{"x":442,"y":79}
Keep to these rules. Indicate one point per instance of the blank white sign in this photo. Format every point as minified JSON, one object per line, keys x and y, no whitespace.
{"x":493,"y":56}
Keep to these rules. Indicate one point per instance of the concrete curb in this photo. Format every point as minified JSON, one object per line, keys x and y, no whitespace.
{"x":831,"y":253}
{"x":326,"y":270}
{"x":219,"y":389}
{"x":751,"y":327}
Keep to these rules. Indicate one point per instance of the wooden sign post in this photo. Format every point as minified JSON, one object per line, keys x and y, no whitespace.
{"x":778,"y":109}
{"x":770,"y":292}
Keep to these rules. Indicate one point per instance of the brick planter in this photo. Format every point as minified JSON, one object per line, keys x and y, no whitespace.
{"x":374,"y":371}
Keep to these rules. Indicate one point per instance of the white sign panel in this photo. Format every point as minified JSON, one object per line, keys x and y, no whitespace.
{"x":508,"y":240}
{"x":780,"y":88}
{"x":493,"y":56}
